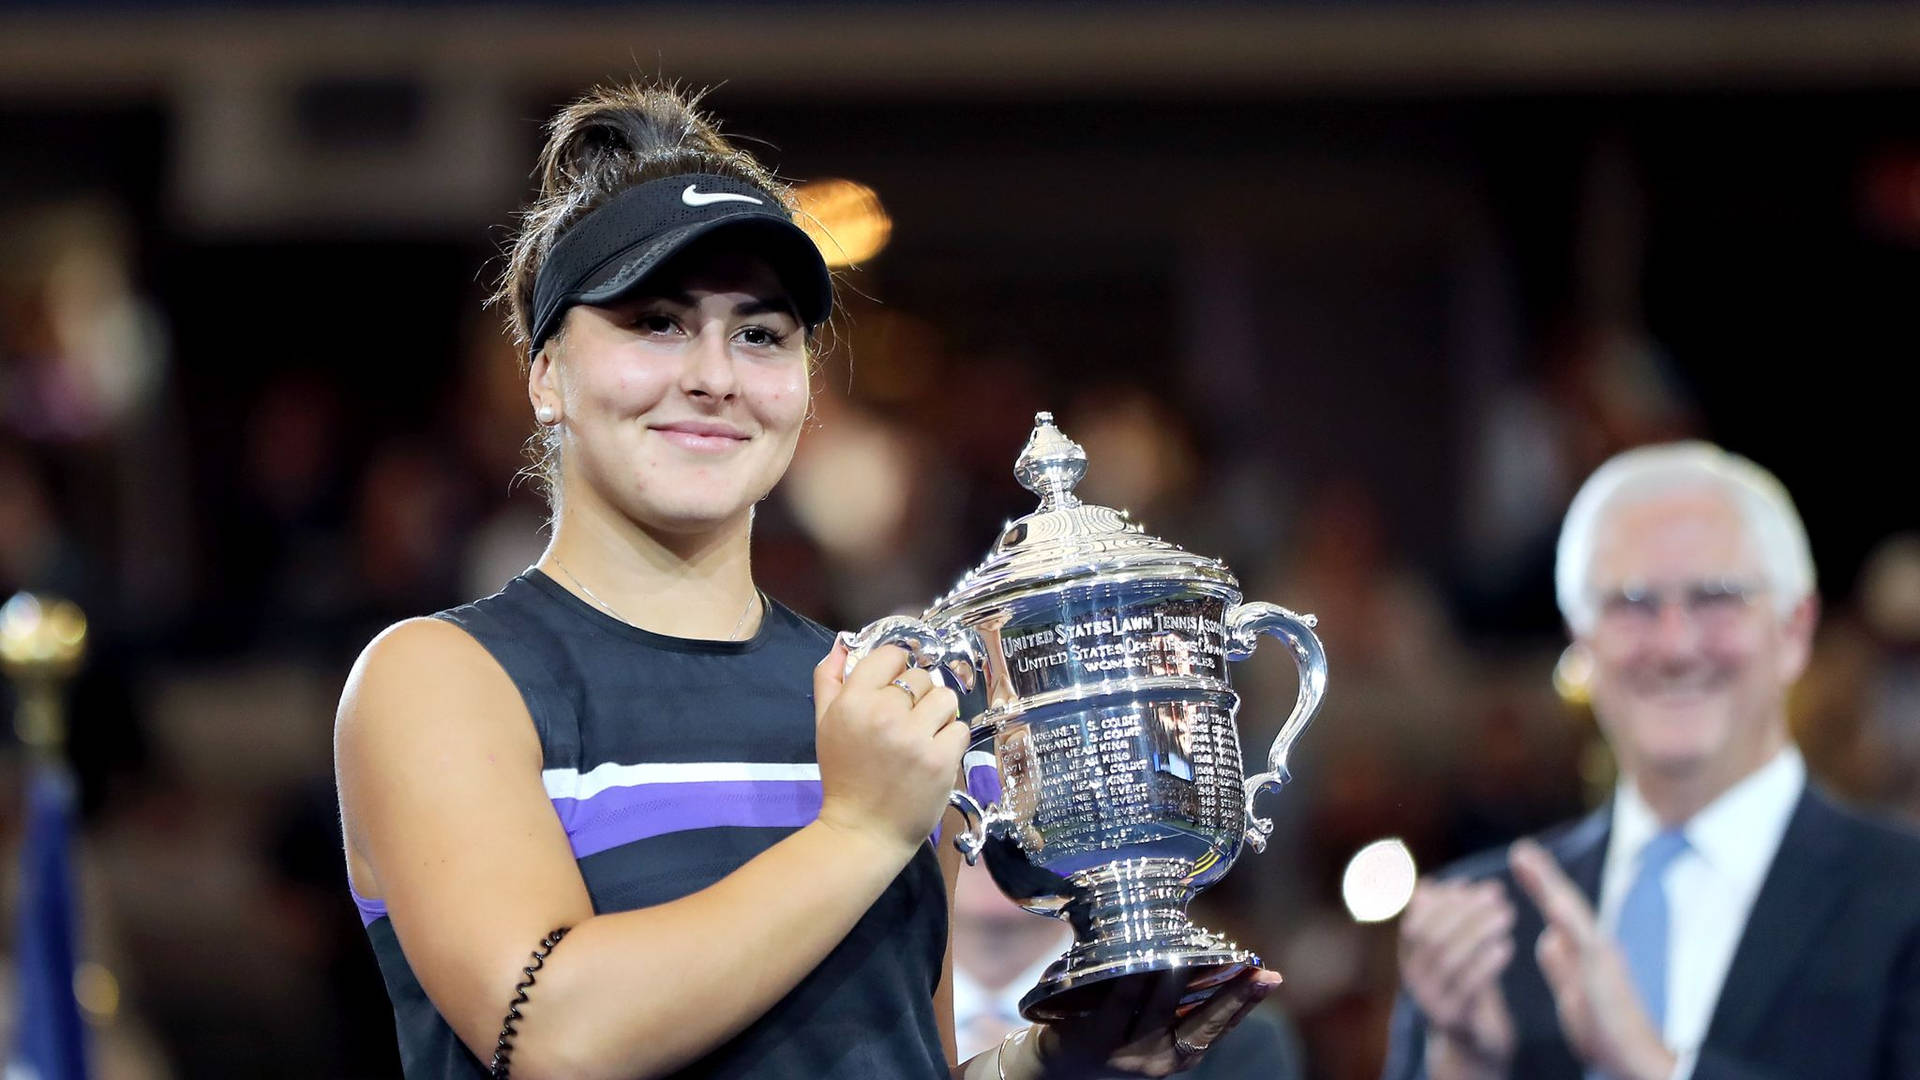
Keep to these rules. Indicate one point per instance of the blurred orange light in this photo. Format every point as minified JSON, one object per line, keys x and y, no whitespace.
{"x":845,"y":219}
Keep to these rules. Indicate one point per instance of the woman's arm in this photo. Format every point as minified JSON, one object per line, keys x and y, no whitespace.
{"x":439,"y":771}
{"x":949,"y":856}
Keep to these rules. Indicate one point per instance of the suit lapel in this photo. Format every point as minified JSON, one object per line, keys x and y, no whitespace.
{"x":1543,"y":1054}
{"x":1808,"y":877}
{"x":1582,"y":850}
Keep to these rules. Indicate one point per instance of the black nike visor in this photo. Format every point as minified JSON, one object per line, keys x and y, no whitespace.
{"x":611,"y":252}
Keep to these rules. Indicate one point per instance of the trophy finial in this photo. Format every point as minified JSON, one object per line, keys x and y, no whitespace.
{"x":1050,"y":465}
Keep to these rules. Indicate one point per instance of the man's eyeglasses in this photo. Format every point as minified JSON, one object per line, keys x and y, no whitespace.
{"x":1707,"y":602}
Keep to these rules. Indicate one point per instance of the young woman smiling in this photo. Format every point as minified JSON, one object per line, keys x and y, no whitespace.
{"x":629,"y":803}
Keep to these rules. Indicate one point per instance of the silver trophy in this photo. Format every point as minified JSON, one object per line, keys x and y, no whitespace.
{"x":1091,"y":659}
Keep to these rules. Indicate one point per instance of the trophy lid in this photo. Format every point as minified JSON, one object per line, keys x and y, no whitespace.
{"x":1065,"y":539}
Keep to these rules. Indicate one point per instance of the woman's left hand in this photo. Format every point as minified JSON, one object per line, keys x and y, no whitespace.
{"x":1138,"y":1030}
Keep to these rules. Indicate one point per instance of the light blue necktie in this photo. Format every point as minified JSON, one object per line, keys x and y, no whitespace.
{"x":1644,"y":923}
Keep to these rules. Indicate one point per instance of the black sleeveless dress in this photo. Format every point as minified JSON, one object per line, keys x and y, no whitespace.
{"x":671,"y":762}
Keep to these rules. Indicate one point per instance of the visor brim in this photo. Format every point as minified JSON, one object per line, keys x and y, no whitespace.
{"x":791,"y":253}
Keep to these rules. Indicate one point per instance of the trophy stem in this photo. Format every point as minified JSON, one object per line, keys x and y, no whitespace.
{"x":1130,"y":919}
{"x":1139,"y":900}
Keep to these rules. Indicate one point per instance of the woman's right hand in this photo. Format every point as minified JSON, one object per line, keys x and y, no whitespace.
{"x":887,"y":762}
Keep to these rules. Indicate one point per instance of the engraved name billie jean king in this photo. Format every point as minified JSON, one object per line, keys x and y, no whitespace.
{"x":1092,"y":663}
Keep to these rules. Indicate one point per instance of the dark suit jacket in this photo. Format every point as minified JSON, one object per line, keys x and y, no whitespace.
{"x":1824,"y":985}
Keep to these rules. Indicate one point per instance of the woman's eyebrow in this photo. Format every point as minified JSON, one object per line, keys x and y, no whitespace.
{"x":763,"y":306}
{"x":755,"y":306}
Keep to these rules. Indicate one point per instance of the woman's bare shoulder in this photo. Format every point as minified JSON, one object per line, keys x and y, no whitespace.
{"x":423,"y":679}
{"x":426,"y":640}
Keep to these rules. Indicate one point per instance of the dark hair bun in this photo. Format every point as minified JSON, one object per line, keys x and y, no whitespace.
{"x":612,"y":130}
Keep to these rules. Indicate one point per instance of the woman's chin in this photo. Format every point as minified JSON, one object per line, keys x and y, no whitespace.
{"x":693,"y":517}
{"x":686,"y":505}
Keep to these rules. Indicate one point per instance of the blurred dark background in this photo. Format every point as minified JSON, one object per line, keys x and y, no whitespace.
{"x":1350,"y":294}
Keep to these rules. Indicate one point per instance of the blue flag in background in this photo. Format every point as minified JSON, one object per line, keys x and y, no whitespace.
{"x":49,"y":1039}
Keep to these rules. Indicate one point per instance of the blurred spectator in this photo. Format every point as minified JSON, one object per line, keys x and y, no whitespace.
{"x":1140,"y":457}
{"x":1604,"y":388}
{"x":281,"y":550}
{"x":856,"y":489}
{"x":1857,"y":714}
{"x":489,"y":421}
{"x":84,"y":359}
{"x":1720,"y":917}
{"x":1384,"y":743}
{"x":84,"y":350}
{"x":1890,"y":608}
{"x":407,"y":517}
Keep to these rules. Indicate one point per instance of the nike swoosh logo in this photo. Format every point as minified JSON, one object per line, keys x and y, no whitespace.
{"x":707,"y":198}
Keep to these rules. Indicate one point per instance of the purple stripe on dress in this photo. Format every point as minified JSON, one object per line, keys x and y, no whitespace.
{"x":621,"y":815}
{"x":983,"y":783}
{"x":370,"y":910}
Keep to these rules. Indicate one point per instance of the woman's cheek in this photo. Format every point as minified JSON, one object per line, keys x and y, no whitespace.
{"x":638,"y":391}
{"x":786,"y":397}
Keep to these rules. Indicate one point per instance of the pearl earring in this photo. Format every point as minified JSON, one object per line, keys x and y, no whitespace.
{"x":545,"y":414}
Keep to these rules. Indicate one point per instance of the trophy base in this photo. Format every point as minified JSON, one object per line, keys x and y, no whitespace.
{"x":1079,"y":993}
{"x":1131,"y":921}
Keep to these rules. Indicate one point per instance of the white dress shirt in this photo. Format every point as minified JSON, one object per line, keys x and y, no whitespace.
{"x":1710,"y":887}
{"x":982,"y":1016}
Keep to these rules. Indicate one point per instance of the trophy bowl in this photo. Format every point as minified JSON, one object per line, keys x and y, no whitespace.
{"x":1105,"y":785}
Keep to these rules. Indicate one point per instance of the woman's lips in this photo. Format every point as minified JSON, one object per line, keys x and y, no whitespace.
{"x":702,"y":437}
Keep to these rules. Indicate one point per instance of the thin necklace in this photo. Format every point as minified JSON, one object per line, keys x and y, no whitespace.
{"x":608,"y":608}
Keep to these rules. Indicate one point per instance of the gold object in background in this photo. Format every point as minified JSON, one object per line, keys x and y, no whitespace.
{"x":97,"y":990}
{"x":1573,"y":675}
{"x":1573,"y":682}
{"x":42,"y":641}
{"x":845,"y":220}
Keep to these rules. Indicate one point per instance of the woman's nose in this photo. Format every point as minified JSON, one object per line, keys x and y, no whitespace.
{"x":709,"y":368}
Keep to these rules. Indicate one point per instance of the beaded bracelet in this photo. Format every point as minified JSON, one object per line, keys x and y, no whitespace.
{"x":503,"y":1050}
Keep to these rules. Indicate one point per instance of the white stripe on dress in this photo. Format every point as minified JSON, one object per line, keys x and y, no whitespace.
{"x":574,"y":784}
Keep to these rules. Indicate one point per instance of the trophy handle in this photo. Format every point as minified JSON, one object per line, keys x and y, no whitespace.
{"x":1245,"y":624}
{"x":956,"y":651}
{"x":982,"y":821}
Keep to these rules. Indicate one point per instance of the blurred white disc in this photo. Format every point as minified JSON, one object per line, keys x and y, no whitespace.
{"x":1379,"y":881}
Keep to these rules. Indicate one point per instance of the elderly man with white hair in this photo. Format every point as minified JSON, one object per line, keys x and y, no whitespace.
{"x":1719,"y":918}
